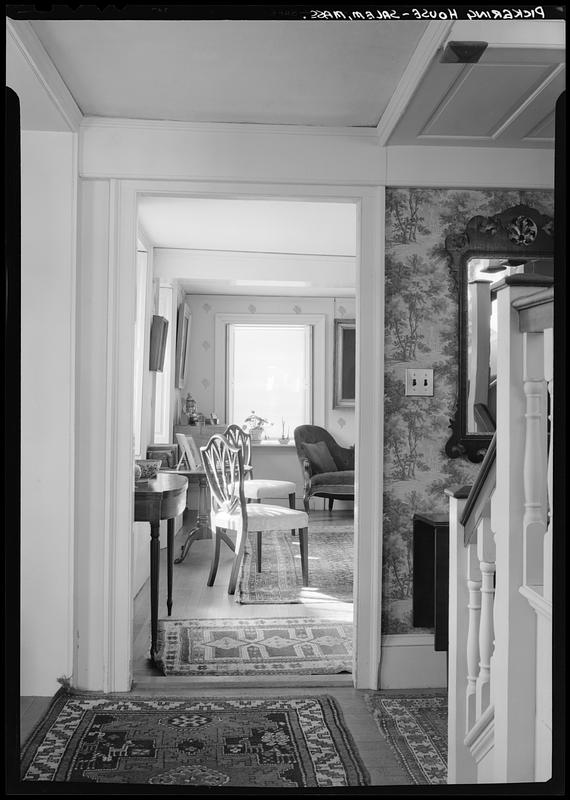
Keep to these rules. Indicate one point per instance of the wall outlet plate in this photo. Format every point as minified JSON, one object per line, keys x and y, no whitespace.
{"x":419,"y":382}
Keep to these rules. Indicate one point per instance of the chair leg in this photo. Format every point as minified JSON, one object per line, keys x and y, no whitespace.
{"x":292,"y":505}
{"x":331,"y":501}
{"x":304,"y":547}
{"x":216,"y":536}
{"x":258,"y":551}
{"x":240,"y":547}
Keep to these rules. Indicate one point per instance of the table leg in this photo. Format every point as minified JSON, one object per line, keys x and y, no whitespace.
{"x":154,"y":567}
{"x":169,"y":551}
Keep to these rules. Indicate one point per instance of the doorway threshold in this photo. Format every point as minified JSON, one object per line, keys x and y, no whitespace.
{"x":163,"y":682}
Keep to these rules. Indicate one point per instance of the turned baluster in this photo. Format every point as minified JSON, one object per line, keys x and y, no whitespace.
{"x":486,"y":555}
{"x":474,"y":606}
{"x":549,"y":377}
{"x":534,"y":464}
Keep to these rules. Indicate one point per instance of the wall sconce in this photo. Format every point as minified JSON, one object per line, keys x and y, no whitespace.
{"x":158,"y":334}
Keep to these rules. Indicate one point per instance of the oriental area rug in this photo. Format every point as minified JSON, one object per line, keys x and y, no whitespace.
{"x":290,"y":646}
{"x":415,"y":726}
{"x":285,"y":743}
{"x":330,"y":566}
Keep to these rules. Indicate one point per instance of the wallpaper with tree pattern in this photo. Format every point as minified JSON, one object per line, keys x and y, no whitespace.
{"x":421,"y":331}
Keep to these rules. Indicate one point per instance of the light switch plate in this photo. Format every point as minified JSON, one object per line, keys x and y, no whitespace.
{"x":419,"y":382}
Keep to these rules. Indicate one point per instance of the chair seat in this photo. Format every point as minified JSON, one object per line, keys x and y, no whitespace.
{"x":342,"y":478}
{"x":258,"y":488}
{"x":261,"y":517}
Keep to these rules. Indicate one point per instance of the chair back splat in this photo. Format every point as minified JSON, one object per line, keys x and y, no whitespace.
{"x":237,"y":437}
{"x":224,"y":468}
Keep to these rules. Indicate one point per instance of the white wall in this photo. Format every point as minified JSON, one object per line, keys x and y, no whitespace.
{"x":49,"y":191}
{"x":201,"y":380}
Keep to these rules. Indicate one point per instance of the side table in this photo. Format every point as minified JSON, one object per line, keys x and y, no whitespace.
{"x":163,"y":497}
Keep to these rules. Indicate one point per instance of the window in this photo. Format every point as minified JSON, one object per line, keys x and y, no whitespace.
{"x":269,"y":371}
{"x":141,"y":278}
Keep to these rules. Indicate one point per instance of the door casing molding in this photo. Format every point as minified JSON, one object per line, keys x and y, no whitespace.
{"x":112,"y":574}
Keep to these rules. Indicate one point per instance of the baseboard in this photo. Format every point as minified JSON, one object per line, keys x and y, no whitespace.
{"x":408,"y":661}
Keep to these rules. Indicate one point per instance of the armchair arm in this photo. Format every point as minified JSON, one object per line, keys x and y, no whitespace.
{"x":307,"y":474}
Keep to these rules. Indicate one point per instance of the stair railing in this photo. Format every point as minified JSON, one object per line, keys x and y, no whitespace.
{"x":500,"y":555}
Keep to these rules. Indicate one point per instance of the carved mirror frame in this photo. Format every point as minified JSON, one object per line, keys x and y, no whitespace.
{"x":518,"y":232}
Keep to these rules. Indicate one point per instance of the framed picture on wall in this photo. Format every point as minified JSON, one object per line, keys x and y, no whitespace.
{"x":344,"y":365}
{"x":182,"y":343}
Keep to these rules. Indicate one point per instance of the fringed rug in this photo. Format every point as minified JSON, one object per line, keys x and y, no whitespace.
{"x":331,"y":567}
{"x":415,"y":725}
{"x":292,"y":646}
{"x":226,"y":742}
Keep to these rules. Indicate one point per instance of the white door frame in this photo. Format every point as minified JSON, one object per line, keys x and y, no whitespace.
{"x":117,"y":609}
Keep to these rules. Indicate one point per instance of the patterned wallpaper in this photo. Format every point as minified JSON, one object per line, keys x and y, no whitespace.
{"x":421,"y":331}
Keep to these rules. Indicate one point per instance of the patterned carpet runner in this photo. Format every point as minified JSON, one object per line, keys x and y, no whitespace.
{"x":415,"y":725}
{"x":330,"y":566}
{"x":291,"y":646}
{"x":216,"y":742}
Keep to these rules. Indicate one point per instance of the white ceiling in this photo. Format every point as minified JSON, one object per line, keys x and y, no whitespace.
{"x":289,"y":73}
{"x":268,"y":226}
{"x":306,"y":73}
{"x":258,"y":247}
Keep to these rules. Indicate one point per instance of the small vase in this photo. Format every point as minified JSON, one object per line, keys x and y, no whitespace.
{"x":284,"y":440}
{"x":256,"y":434}
{"x":138,"y":472}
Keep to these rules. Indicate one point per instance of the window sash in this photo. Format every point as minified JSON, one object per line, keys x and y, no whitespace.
{"x":232,"y":329}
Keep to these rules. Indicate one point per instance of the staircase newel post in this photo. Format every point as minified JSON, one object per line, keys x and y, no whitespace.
{"x":514,"y":660}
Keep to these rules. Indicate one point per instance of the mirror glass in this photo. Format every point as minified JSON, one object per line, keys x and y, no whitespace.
{"x":481,"y":351}
{"x":516,"y":247}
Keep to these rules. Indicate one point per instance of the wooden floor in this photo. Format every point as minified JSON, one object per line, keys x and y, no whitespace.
{"x":193,"y":599}
{"x":383,"y":766}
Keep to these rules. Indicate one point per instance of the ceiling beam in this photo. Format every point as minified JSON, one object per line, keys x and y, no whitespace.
{"x":25,"y":39}
{"x":433,"y":38}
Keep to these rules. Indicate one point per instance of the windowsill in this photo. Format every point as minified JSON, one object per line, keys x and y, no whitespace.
{"x":273,"y":443}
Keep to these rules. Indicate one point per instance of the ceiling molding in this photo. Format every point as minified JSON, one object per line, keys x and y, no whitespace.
{"x":432,"y":39}
{"x":227,"y":127}
{"x":27,"y":42}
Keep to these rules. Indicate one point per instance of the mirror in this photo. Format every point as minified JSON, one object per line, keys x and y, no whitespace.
{"x":509,"y":246}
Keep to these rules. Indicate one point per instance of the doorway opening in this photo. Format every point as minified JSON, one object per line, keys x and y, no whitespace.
{"x":248,"y":270}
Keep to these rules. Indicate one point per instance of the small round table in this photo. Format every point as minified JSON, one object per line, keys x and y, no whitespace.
{"x":163,"y":497}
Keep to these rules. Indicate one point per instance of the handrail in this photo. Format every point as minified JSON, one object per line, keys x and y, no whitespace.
{"x":482,"y":476}
{"x":536,"y":311}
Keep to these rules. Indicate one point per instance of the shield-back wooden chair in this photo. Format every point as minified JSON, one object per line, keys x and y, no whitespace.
{"x":224,"y":467}
{"x":258,"y":489}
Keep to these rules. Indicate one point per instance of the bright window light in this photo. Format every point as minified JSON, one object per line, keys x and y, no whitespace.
{"x":269,"y":372}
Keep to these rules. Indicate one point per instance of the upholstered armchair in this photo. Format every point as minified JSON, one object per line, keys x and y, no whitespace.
{"x":328,"y":468}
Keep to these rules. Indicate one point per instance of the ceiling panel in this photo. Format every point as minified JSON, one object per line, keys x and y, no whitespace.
{"x":507,"y":99}
{"x":298,"y":73}
{"x":455,"y":116}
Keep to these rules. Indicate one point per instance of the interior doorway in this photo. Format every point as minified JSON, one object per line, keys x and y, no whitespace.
{"x":109,"y":668}
{"x":278,"y":265}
